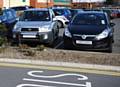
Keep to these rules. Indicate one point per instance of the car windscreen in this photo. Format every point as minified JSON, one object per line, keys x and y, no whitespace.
{"x":89,"y":19}
{"x":35,"y":16}
{"x":58,"y":12}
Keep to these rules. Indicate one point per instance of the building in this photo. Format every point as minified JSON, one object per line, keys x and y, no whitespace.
{"x":62,"y":3}
{"x":12,"y":3}
{"x":1,"y":3}
{"x":49,"y":3}
{"x":117,"y":2}
{"x":86,"y":3}
{"x":41,"y":3}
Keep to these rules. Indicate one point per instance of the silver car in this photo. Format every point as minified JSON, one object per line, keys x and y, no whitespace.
{"x":36,"y":25}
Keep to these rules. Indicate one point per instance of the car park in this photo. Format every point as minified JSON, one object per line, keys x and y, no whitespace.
{"x":89,"y":30}
{"x":36,"y":25}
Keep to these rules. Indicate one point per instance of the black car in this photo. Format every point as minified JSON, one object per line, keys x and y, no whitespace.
{"x":89,"y":30}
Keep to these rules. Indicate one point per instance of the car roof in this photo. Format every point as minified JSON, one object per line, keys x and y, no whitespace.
{"x":92,"y":12}
{"x":36,"y":9}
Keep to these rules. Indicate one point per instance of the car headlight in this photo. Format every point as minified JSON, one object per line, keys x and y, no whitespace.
{"x":103,"y":35}
{"x":67,"y":33}
{"x":16,"y":29}
{"x":45,"y":29}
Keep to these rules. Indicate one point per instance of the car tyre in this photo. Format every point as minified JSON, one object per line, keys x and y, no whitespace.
{"x":109,"y":50}
{"x":51,"y":43}
{"x":60,"y":24}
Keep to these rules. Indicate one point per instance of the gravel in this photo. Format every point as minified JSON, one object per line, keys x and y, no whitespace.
{"x":62,"y":56}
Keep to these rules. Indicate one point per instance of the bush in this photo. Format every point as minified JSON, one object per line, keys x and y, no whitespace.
{"x":23,"y":46}
{"x":3,"y":28}
{"x":40,"y":47}
{"x":30,"y":53}
{"x":2,"y":41}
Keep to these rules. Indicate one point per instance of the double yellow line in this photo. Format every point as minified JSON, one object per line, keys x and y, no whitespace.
{"x":60,"y":68}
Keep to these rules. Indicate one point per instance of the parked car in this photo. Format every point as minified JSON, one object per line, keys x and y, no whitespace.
{"x":118,"y":14}
{"x":63,"y":16}
{"x":62,"y":11}
{"x":75,"y":11}
{"x":36,"y":25}
{"x":89,"y":30}
{"x":114,"y":13}
{"x":8,"y":18}
{"x":20,"y":9}
{"x":62,"y":20}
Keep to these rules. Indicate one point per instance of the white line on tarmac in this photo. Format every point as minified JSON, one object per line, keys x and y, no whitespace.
{"x":58,"y":45}
{"x":88,"y":84}
{"x":32,"y":85}
{"x":80,"y":76}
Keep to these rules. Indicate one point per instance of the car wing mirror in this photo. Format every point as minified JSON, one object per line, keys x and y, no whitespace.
{"x":112,"y":24}
{"x":67,"y":23}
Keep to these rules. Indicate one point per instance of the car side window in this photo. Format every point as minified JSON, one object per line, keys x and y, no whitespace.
{"x":9,"y":15}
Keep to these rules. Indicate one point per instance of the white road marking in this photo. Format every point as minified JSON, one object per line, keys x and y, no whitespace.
{"x":88,"y":84}
{"x":32,"y":85}
{"x":81,"y":77}
{"x":58,"y":45}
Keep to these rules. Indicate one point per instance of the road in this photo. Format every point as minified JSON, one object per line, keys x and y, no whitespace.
{"x":116,"y":45}
{"x":20,"y":75}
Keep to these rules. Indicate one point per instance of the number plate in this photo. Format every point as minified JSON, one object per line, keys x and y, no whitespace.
{"x":84,"y":42}
{"x":29,"y":36}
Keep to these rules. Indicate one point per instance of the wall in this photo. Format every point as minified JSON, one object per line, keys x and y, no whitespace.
{"x":12,"y":3}
{"x":41,"y":3}
{"x":1,"y":3}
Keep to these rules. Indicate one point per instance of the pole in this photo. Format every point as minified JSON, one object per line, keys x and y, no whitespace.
{"x":9,"y":3}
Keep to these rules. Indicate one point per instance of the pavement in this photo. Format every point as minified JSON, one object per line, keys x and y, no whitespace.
{"x":73,"y":66}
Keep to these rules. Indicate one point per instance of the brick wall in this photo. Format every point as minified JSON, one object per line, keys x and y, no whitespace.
{"x":1,"y":3}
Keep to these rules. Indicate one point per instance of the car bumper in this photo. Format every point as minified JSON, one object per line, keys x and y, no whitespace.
{"x":37,"y":37}
{"x":95,"y":45}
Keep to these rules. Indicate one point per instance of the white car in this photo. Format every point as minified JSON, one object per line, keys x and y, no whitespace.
{"x":62,"y":20}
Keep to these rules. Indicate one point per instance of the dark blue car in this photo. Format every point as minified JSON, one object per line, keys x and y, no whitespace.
{"x":89,"y":30}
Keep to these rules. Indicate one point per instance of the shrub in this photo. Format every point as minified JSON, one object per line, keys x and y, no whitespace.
{"x":23,"y":46}
{"x":2,"y":40}
{"x":30,"y":53}
{"x":40,"y":47}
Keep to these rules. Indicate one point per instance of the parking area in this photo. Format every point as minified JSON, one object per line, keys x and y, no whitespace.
{"x":116,"y":45}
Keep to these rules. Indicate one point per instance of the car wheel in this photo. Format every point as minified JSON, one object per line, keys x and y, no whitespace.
{"x":109,"y":50}
{"x":51,"y":43}
{"x":66,"y":46}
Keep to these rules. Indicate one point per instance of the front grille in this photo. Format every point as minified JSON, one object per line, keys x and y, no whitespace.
{"x":29,"y":29}
{"x":87,"y":37}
